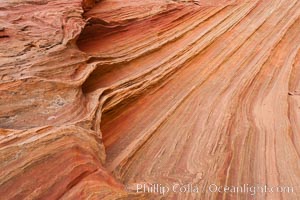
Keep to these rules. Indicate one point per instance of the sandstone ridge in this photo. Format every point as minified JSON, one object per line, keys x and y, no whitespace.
{"x":99,"y":96}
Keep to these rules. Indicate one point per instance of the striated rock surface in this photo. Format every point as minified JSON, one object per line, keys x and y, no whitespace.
{"x":99,"y":96}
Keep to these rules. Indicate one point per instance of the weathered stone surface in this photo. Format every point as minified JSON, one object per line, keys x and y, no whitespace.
{"x":98,"y":96}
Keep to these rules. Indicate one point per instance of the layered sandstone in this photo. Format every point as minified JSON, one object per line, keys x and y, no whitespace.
{"x":99,"y":96}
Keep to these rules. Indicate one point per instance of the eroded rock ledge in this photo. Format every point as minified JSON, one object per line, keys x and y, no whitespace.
{"x":148,"y":91}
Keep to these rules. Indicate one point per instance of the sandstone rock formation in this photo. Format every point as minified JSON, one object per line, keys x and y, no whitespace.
{"x":98,"y":96}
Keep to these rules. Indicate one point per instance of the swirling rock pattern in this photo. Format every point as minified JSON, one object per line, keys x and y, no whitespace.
{"x":97,"y":96}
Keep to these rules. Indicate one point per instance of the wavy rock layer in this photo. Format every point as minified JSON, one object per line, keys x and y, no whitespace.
{"x":148,"y":92}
